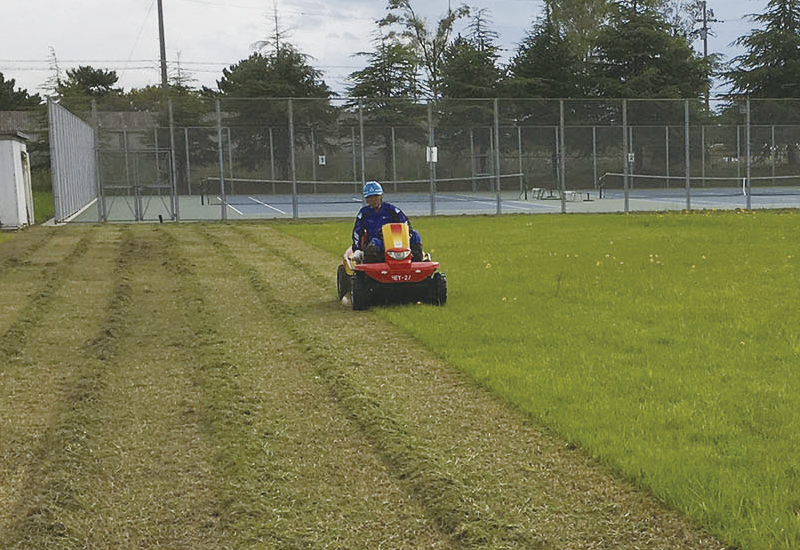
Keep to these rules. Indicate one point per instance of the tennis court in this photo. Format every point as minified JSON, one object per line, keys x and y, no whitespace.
{"x":450,"y":158}
{"x":249,"y":206}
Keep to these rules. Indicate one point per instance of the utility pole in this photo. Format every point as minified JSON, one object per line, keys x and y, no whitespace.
{"x":163,"y":46}
{"x":708,"y":17}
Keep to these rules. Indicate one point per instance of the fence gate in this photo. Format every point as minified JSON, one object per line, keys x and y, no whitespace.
{"x":137,"y":177}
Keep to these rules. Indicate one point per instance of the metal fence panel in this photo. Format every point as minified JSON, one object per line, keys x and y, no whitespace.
{"x":231,"y":158}
{"x":73,"y":164}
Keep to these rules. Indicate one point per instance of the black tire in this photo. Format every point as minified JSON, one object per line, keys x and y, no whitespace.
{"x":438,"y":289}
{"x":360,"y":292}
{"x":342,"y":282}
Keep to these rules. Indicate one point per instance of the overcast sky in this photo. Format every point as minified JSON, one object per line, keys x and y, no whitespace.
{"x":209,"y":35}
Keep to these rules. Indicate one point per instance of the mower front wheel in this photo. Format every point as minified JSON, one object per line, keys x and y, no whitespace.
{"x":359,"y":292}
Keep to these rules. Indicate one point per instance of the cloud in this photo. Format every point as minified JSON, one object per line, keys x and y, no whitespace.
{"x":210,"y":35}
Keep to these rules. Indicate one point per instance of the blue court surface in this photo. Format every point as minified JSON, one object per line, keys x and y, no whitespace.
{"x":271,"y":206}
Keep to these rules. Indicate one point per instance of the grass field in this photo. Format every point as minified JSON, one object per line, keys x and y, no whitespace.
{"x":665,"y":345}
{"x":199,"y":386}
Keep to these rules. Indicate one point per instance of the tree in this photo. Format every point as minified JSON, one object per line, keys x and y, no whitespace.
{"x":479,"y":32}
{"x":579,"y":22}
{"x":388,"y":88}
{"x":546,"y":64}
{"x":273,"y":79}
{"x":469,"y":71}
{"x":430,"y":46}
{"x":390,"y":73}
{"x":284,"y":73}
{"x":771,"y":66}
{"x":469,"y":65}
{"x":13,"y":99}
{"x":638,"y":56}
{"x":87,"y":81}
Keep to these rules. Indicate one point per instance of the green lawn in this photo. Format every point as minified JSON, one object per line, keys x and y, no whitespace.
{"x":665,"y":345}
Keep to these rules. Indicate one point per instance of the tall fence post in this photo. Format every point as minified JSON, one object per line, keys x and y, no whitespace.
{"x":188,"y":161}
{"x":272,"y":159}
{"x":522,"y":190}
{"x":562,"y":158}
{"x":353,"y":155}
{"x":220,"y":159}
{"x":625,"y":155}
{"x":472,"y":160}
{"x":431,"y":158}
{"x":594,"y":156}
{"x":295,"y":209}
{"x":394,"y":159}
{"x":101,"y":200}
{"x":173,"y":174}
{"x":747,"y":152}
{"x":687,"y":152}
{"x":703,"y":155}
{"x":666,"y":153}
{"x":497,"y":155}
{"x":363,"y":146}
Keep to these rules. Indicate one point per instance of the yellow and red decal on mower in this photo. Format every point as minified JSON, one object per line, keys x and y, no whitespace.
{"x":396,"y":237}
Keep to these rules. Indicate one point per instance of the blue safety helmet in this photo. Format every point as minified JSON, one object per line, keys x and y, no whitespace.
{"x":372,"y":188}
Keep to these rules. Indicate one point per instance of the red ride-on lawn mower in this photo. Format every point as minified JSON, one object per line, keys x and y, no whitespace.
{"x":397,"y":279}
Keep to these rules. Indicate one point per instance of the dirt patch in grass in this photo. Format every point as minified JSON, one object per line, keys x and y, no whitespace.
{"x":203,"y":388}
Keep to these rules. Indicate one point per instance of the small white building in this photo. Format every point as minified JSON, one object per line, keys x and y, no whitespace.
{"x":16,"y":198}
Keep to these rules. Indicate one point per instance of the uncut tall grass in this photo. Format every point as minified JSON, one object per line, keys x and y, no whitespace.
{"x":665,"y":345}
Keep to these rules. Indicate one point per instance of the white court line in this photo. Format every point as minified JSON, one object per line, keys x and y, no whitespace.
{"x":231,"y":207}
{"x":267,"y":205}
{"x":526,"y":207}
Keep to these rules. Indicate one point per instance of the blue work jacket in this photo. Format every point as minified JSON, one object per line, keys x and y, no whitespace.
{"x":370,"y":221}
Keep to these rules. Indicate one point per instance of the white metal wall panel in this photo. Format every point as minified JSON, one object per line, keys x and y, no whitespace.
{"x":72,"y":161}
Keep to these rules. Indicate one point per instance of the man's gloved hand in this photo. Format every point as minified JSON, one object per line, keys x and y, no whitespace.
{"x":358,"y":256}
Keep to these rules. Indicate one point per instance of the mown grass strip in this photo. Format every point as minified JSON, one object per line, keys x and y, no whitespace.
{"x":14,"y":338}
{"x":318,"y":480}
{"x":224,"y":417}
{"x":61,"y":470}
{"x":152,"y":481}
{"x":21,"y":245}
{"x":423,"y":469}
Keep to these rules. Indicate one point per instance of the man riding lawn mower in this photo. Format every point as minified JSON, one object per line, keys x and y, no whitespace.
{"x":386,"y":264}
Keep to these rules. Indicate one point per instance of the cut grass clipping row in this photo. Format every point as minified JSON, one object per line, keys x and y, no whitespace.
{"x":665,"y":345}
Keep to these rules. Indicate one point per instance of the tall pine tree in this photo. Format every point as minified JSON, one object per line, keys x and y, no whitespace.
{"x":770,"y":68}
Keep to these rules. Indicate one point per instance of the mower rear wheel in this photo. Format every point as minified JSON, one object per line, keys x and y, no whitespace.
{"x":359,"y":292}
{"x":342,"y":282}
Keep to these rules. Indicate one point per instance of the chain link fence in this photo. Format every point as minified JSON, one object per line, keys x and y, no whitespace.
{"x":193,"y":158}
